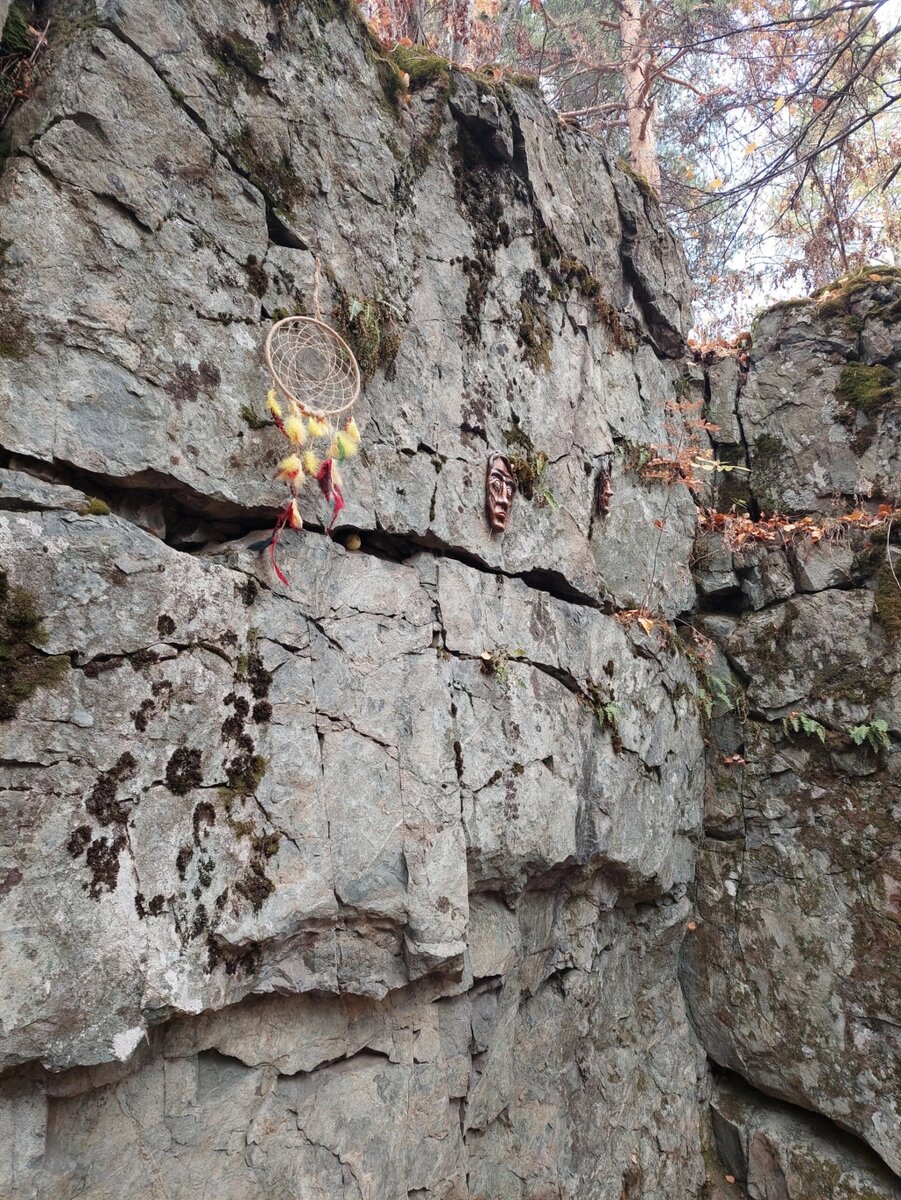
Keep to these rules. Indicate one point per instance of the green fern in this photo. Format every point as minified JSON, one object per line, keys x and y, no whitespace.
{"x":798,"y":722}
{"x":874,"y":734}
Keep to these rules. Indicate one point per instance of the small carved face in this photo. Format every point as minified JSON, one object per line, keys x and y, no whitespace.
{"x":500,"y":488}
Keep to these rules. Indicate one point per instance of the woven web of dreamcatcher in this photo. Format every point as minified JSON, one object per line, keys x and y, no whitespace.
{"x":313,"y":365}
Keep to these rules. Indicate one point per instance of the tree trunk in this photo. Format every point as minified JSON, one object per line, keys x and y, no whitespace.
{"x":639,"y":105}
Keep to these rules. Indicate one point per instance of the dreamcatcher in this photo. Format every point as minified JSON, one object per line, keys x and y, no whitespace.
{"x":317,"y":375}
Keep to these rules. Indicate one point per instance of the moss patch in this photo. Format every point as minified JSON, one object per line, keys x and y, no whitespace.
{"x":887,"y":603}
{"x":232,"y":50}
{"x":16,"y":340}
{"x":867,"y":389}
{"x":23,"y":669}
{"x":639,"y":180}
{"x":252,"y":418}
{"x":270,"y":170}
{"x":835,"y":298}
{"x":421,"y":64}
{"x":371,"y":330}
{"x":528,"y":466}
{"x":94,"y":508}
{"x":768,"y":455}
{"x":535,"y":337}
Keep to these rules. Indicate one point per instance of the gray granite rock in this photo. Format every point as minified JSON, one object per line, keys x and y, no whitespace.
{"x":779,"y":1152}
{"x":375,"y":886}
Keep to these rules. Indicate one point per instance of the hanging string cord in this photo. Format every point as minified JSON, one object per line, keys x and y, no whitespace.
{"x":316,"y":277}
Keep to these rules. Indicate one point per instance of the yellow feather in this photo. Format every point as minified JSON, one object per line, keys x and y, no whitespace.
{"x":295,"y":431}
{"x":352,"y":431}
{"x":273,"y":405}
{"x":311,"y":463}
{"x":290,"y":469}
{"x":346,"y":447}
{"x":294,"y":518}
{"x":317,"y":428}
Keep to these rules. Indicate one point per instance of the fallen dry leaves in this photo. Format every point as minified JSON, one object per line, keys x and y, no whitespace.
{"x":738,"y":529}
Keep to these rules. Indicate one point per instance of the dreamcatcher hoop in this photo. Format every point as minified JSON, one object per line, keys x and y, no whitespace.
{"x":311,"y":364}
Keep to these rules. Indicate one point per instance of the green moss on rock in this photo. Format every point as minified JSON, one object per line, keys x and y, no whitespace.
{"x":371,"y":330}
{"x":94,"y":508}
{"x":24,"y":670}
{"x":535,"y":337}
{"x":887,"y":603}
{"x":270,"y":171}
{"x":233,"y":49}
{"x":867,"y":389}
{"x":16,"y":339}
{"x":768,"y":456}
{"x":835,"y":298}
{"x":421,"y":64}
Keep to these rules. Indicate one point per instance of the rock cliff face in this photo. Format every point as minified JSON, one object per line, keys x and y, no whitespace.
{"x":377,"y":886}
{"x":799,"y":873}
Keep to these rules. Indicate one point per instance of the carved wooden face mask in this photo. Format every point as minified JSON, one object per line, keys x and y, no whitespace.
{"x":500,"y":488}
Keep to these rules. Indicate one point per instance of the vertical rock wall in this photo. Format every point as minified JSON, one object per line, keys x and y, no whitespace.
{"x":792,"y":977}
{"x":373,"y":886}
{"x":377,"y":886}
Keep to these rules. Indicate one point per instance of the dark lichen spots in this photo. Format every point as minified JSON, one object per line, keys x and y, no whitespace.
{"x":182,"y":859}
{"x":203,"y":819}
{"x":245,"y":773}
{"x":153,"y":909}
{"x":24,"y":670}
{"x":103,"y":863}
{"x":205,"y":867}
{"x":141,"y":716}
{"x":257,"y":279}
{"x":267,"y":844}
{"x":485,"y":194}
{"x":232,"y":728}
{"x":79,"y":840}
{"x":186,"y":384}
{"x":165,"y":625}
{"x":201,"y":921}
{"x":183,"y":771}
{"x":103,"y":803}
{"x":243,"y":963}
{"x":99,"y":666}
{"x":255,"y":885}
{"x":479,"y":272}
{"x":143,"y":658}
{"x":258,"y":677}
{"x":262,"y":712}
{"x":248,"y":591}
